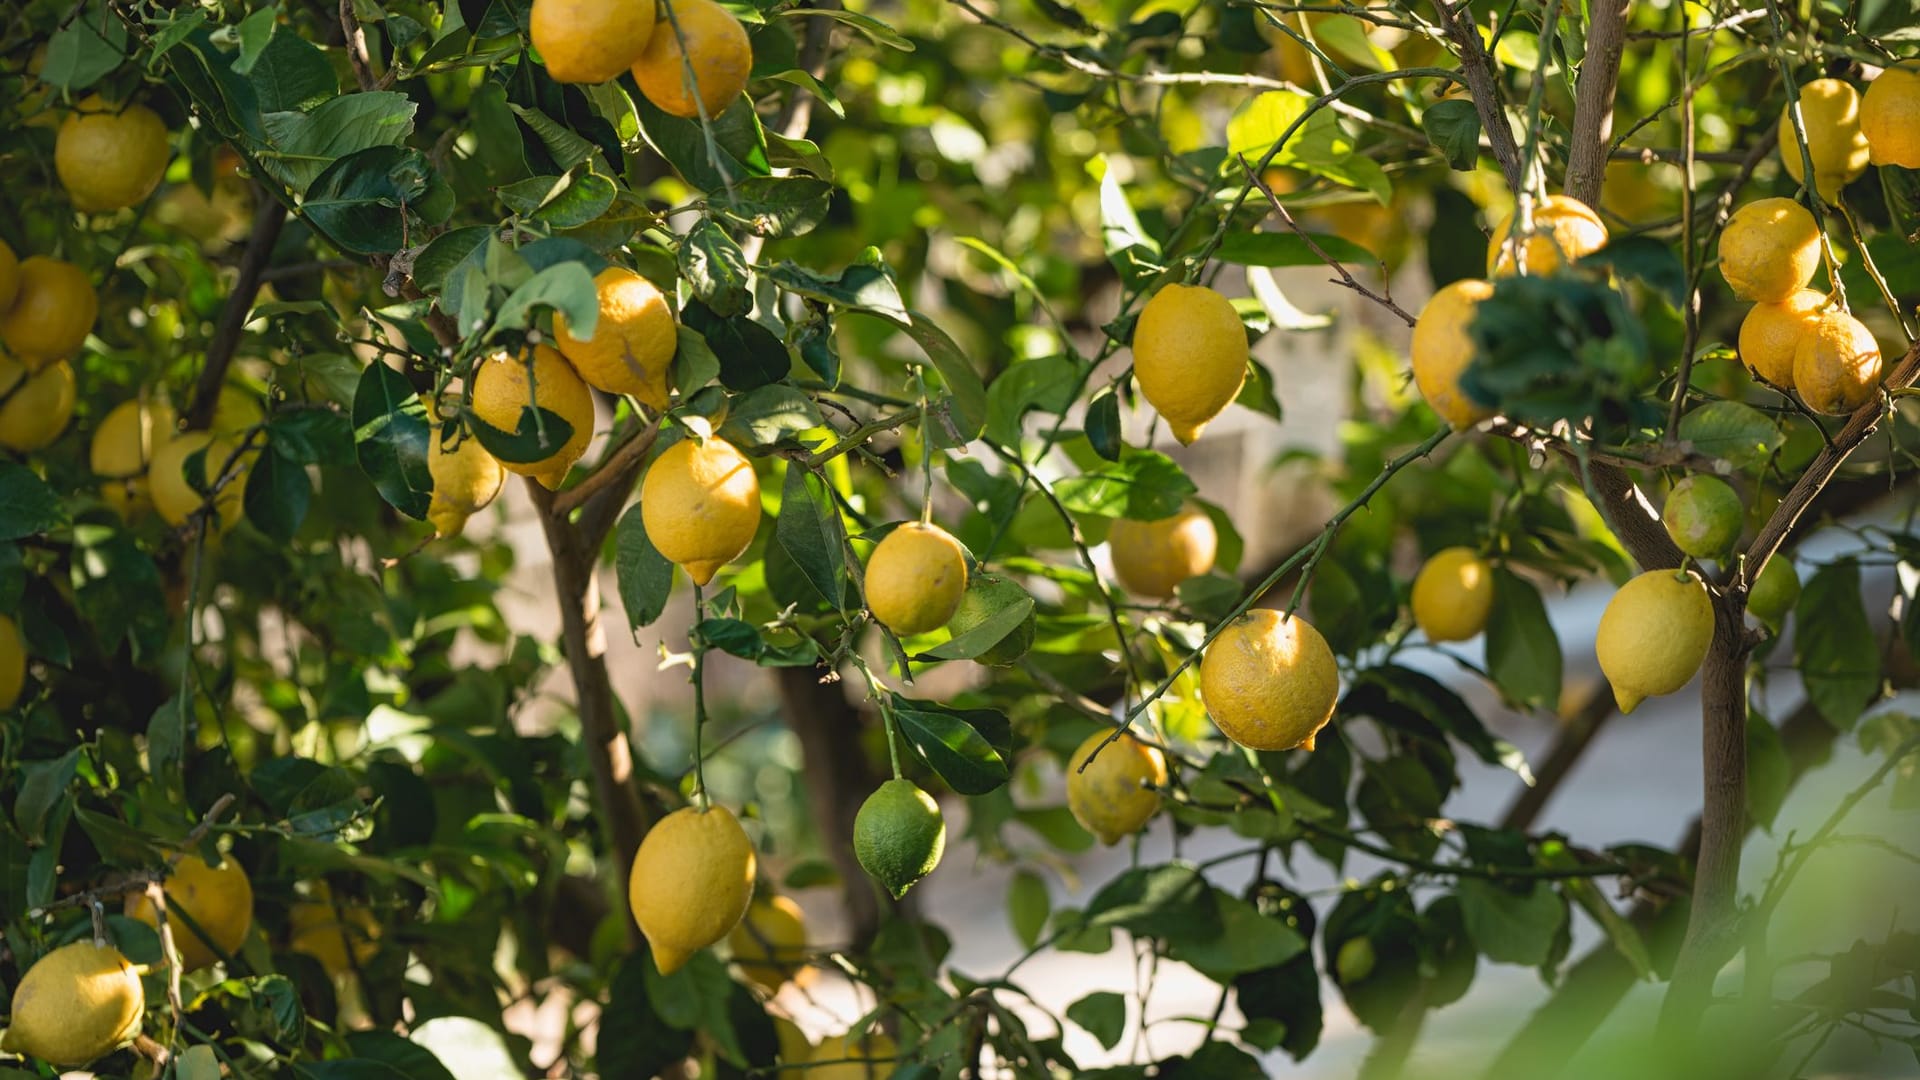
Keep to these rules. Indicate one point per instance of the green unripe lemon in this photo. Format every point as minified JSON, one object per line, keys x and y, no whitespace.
{"x":899,"y":835}
{"x":1704,"y":516}
{"x":1775,"y":591}
{"x":1355,"y":960}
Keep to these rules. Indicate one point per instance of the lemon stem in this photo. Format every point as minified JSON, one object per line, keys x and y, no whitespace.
{"x":698,"y":642}
{"x":926,"y":451}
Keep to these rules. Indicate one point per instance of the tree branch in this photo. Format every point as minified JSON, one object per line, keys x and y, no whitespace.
{"x":356,"y":42}
{"x":1476,"y":66}
{"x":621,"y":460}
{"x":267,"y":221}
{"x":1593,"y":99}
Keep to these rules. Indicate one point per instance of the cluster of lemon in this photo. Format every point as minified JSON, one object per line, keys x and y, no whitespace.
{"x":692,"y":59}
{"x":47,"y":309}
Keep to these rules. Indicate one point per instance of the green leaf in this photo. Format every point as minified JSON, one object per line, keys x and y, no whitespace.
{"x":1046,"y":383}
{"x":563,"y":202}
{"x":27,"y":505}
{"x":1512,"y":927}
{"x":534,"y":438}
{"x":1523,"y":652}
{"x":1256,"y":392}
{"x":1289,"y":249}
{"x":566,"y":287}
{"x":808,"y":529}
{"x":737,"y":131}
{"x":1247,"y":941}
{"x":85,"y":50}
{"x":277,"y":496}
{"x":360,"y":201}
{"x":716,"y":268}
{"x":1101,"y":1014}
{"x":880,"y":32}
{"x":1740,"y":434}
{"x":1158,"y":901}
{"x":311,"y":437}
{"x":1834,"y":646}
{"x":1769,"y":772}
{"x":303,"y":146}
{"x":405,"y":1058}
{"x":1120,"y":228}
{"x":167,"y":735}
{"x":1390,"y":685}
{"x":1647,"y":260}
{"x":117,"y":590}
{"x":955,"y":743}
{"x":859,"y":287}
{"x":436,"y":262}
{"x":776,"y":206}
{"x":769,"y":414}
{"x":42,"y":784}
{"x":642,"y":1044}
{"x":1144,"y":485}
{"x":254,"y":31}
{"x":644,"y":576}
{"x":390,"y":433}
{"x":984,"y":636}
{"x":1029,"y":906}
{"x":694,"y":364}
{"x":565,"y":147}
{"x":963,"y":382}
{"x":1453,"y":126}
{"x":292,"y":75}
{"x":1103,"y":426}
{"x":750,"y":355}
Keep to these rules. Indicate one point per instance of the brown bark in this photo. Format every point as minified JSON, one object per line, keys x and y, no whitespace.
{"x":267,"y":222}
{"x":1593,"y":98}
{"x":1476,"y":66}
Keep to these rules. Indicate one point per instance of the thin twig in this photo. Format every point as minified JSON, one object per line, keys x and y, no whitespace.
{"x":234,"y":314}
{"x":1346,"y":278}
{"x":617,"y":463}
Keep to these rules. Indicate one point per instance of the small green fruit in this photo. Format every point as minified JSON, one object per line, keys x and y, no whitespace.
{"x":987,"y":595}
{"x":899,"y":835}
{"x":1704,"y":516}
{"x":1355,"y":961}
{"x":1775,"y":591}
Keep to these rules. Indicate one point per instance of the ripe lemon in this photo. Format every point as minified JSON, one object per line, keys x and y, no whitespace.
{"x":1769,"y":249}
{"x":770,"y":944}
{"x":633,"y":344}
{"x":9,"y":275}
{"x":177,"y":497}
{"x":53,"y":311}
{"x":986,"y":596}
{"x":1704,"y":516}
{"x":501,"y":397}
{"x":1269,"y":681}
{"x":1189,"y":356}
{"x":1775,"y":591}
{"x":109,"y":156}
{"x":1890,"y":118}
{"x":899,"y":835}
{"x":692,"y":880}
{"x":794,"y":1046}
{"x":715,"y":47}
{"x":1830,"y":113}
{"x":1836,"y":366}
{"x":13,"y":663}
{"x":123,"y":447}
{"x":1452,"y":595}
{"x":1771,"y":332}
{"x":341,"y":938}
{"x":700,"y":503}
{"x":75,"y":1005}
{"x":590,"y":41}
{"x":1654,"y":634}
{"x":1151,"y":558}
{"x":236,"y":410}
{"x":854,"y":1056}
{"x":1442,"y":350}
{"x":465,"y":478}
{"x":915,"y":579}
{"x":1119,"y":791}
{"x":218,"y":899}
{"x":34,"y":408}
{"x":1565,"y":229}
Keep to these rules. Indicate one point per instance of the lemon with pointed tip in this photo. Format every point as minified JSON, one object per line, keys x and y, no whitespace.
{"x":770,"y":944}
{"x":122,"y":449}
{"x":219,"y":900}
{"x":1654,"y":634}
{"x":1269,"y":681}
{"x":1152,"y":558}
{"x":502,"y":397}
{"x":13,"y":663}
{"x":1775,"y":591}
{"x":1704,"y":516}
{"x":632,"y":347}
{"x":36,"y":405}
{"x":75,"y":1005}
{"x":899,"y":835}
{"x":1836,"y":365}
{"x":1118,"y":790}
{"x":1453,"y":595}
{"x":916,"y":577}
{"x":466,"y":478}
{"x":1769,"y":250}
{"x":698,"y":60}
{"x":1771,"y":333}
{"x":53,"y":310}
{"x":700,"y":503}
{"x":178,"y":497}
{"x":589,"y":41}
{"x":1442,"y":350}
{"x":110,"y":156}
{"x":1565,"y":230}
{"x":691,"y":884}
{"x":1890,"y":117}
{"x":1189,"y":356}
{"x":1830,"y":115}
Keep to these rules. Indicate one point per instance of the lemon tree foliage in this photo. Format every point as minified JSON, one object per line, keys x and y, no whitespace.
{"x":914,"y":335}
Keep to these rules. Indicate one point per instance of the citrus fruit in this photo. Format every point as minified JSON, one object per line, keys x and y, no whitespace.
{"x":865,"y":1055}
{"x":1442,"y":350}
{"x":794,"y":1046}
{"x":700,"y":503}
{"x":1769,"y":249}
{"x":915,"y":578}
{"x":1775,"y":591}
{"x":53,"y":310}
{"x":13,"y":663}
{"x":1189,"y":356}
{"x":9,"y":275}
{"x":1704,"y":516}
{"x":34,"y":407}
{"x":987,"y":595}
{"x":177,"y":497}
{"x":75,"y":1005}
{"x":1836,"y":365}
{"x":1654,"y":635}
{"x":122,"y":448}
{"x":899,"y":835}
{"x":1890,"y":118}
{"x":1772,"y":331}
{"x":633,"y":344}
{"x":1565,"y":229}
{"x":235,"y":411}
{"x":465,"y":477}
{"x":341,"y":937}
{"x":1118,"y":791}
{"x":697,"y":61}
{"x":502,"y":396}
{"x":110,"y":156}
{"x":589,"y":41}
{"x":219,"y":900}
{"x":1269,"y":681}
{"x":1830,"y":114}
{"x":692,"y":880}
{"x":770,"y":944}
{"x":1355,"y":960}
{"x":1151,"y":558}
{"x":1452,"y":595}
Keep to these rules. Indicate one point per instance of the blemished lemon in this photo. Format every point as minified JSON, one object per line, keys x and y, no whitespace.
{"x":1830,"y":113}
{"x":867,"y":1055}
{"x":1769,"y":250}
{"x":341,"y":938}
{"x":1189,"y":356}
{"x":899,"y":835}
{"x":1452,"y":595}
{"x":700,"y":503}
{"x":1775,"y":591}
{"x":465,"y":478}
{"x":770,"y":944}
{"x":54,"y":306}
{"x":122,"y":449}
{"x":177,"y":498}
{"x":1269,"y":681}
{"x":1119,"y":790}
{"x":1890,"y":118}
{"x":1442,"y":350}
{"x":75,"y":1005}
{"x":9,"y":275}
{"x":501,"y":397}
{"x":219,"y":900}
{"x":632,"y":347}
{"x":692,"y":881}
{"x":1151,"y":558}
{"x":987,"y":595}
{"x":915,"y":578}
{"x":1771,"y":333}
{"x":715,"y":47}
{"x":110,"y":156}
{"x":1654,"y":635}
{"x":1836,"y":366}
{"x":34,"y":407}
{"x":1704,"y":516}
{"x":1565,"y":229}
{"x":13,"y":663}
{"x":590,"y":41}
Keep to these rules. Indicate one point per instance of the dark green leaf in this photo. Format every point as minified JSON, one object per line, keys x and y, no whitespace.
{"x":304,"y":146}
{"x":644,"y":575}
{"x":1158,"y":901}
{"x":1512,"y":927}
{"x":277,"y":496}
{"x":1256,"y":392}
{"x":963,"y":382}
{"x":1144,"y":485}
{"x":359,"y":201}
{"x":808,"y":529}
{"x":866,"y":24}
{"x":1523,"y":652}
{"x":1647,"y":260}
{"x":408,"y":1058}
{"x":84,"y":50}
{"x":981,"y":638}
{"x":1453,"y":127}
{"x":1102,"y":1014}
{"x":859,"y":287}
{"x":567,"y":288}
{"x":953,"y":744}
{"x":1046,"y":383}
{"x":390,"y":438}
{"x":750,"y":355}
{"x":1247,"y":941}
{"x":27,"y":505}
{"x":1739,"y":433}
{"x":780,"y":206}
{"x":311,"y":437}
{"x":292,"y":74}
{"x":716,"y":268}
{"x":765,"y":416}
{"x":742,"y":143}
{"x":1103,"y":426}
{"x":533,"y":439}
{"x":1834,"y":646}
{"x":1028,"y":905}
{"x":42,"y":784}
{"x":118,"y":591}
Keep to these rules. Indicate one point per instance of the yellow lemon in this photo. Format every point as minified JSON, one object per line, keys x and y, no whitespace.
{"x":854,"y":1056}
{"x":236,"y":410}
{"x":178,"y":498}
{"x":341,"y":938}
{"x":1654,"y":634}
{"x":899,"y":835}
{"x":9,"y":275}
{"x":1565,"y":230}
{"x":1890,"y":118}
{"x":501,"y":398}
{"x":1442,"y":350}
{"x":1151,"y":558}
{"x":34,"y":408}
{"x":1771,"y":333}
{"x":13,"y":663}
{"x":770,"y":944}
{"x":715,"y":48}
{"x":1830,"y":113}
{"x":53,"y":310}
{"x":1836,"y":365}
{"x":632,"y":347}
{"x":1269,"y":681}
{"x":794,"y":1047}
{"x":1118,"y":792}
{"x":1769,"y":249}
{"x":75,"y":1005}
{"x":590,"y":41}
{"x":915,"y":578}
{"x":692,"y":880}
{"x":1452,"y":595}
{"x":700,"y":503}
{"x":219,"y":900}
{"x":109,"y":156}
{"x":1189,"y":356}
{"x":123,"y":447}
{"x":465,"y":477}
